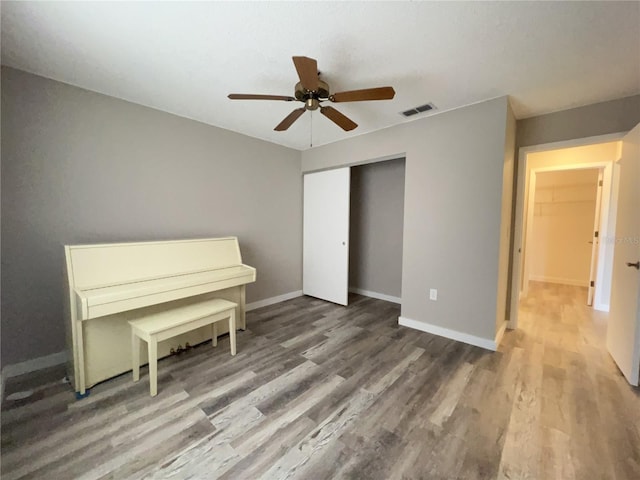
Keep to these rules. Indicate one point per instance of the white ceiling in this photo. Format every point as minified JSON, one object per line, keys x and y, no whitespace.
{"x":185,"y":58}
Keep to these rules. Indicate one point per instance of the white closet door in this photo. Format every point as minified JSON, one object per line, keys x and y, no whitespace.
{"x":326,"y":235}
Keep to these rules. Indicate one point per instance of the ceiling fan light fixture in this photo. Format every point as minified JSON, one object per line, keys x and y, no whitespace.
{"x":312,"y":104}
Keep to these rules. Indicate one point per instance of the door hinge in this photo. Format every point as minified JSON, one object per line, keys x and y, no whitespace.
{"x":600,"y":183}
{"x":596,"y":234}
{"x":592,"y":283}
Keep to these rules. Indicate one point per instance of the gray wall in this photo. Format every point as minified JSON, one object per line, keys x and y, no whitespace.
{"x":452,"y":210}
{"x":377,"y":211}
{"x":615,"y":116}
{"x":79,"y":167}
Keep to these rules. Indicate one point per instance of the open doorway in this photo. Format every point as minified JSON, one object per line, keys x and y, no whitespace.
{"x":376,"y":229}
{"x":595,"y":155}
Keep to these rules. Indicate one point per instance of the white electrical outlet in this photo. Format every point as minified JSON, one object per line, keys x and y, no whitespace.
{"x":433,"y":294}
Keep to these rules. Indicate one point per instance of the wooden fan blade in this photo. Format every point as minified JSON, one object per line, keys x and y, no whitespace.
{"x":288,"y":121}
{"x":307,"y":69}
{"x":248,"y":96}
{"x":338,"y":118}
{"x":380,"y":93}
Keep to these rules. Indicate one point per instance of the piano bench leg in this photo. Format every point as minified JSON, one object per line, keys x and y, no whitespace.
{"x":232,"y":330}
{"x":214,"y":337}
{"x":153,"y":366}
{"x":135,"y":356}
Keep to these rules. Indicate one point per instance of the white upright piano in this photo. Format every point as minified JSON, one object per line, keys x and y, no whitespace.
{"x":108,"y":284}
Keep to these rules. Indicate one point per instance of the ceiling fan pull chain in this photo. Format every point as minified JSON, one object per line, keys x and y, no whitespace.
{"x":310,"y":129}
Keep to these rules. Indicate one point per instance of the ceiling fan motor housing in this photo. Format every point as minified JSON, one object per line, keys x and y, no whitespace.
{"x":321,"y":93}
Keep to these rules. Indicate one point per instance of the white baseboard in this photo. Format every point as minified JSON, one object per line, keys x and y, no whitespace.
{"x":602,"y":307}
{"x":33,"y":365}
{"x":2,"y":382}
{"x":379,"y":296}
{"x":270,"y":301}
{"x":485,"y":343}
{"x":561,"y":281}
{"x":29,"y":366}
{"x":500,"y":334}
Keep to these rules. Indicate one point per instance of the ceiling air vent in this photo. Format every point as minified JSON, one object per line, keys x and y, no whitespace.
{"x":421,"y":109}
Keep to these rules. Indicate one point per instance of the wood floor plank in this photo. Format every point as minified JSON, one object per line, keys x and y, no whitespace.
{"x":201,"y":460}
{"x":555,"y":460}
{"x":450,"y":394}
{"x":524,"y":423}
{"x":264,"y":454}
{"x":373,"y":457}
{"x":316,"y":441}
{"x":287,"y":414}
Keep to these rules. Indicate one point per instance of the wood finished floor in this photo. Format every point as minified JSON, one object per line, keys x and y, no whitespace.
{"x":319,"y":391}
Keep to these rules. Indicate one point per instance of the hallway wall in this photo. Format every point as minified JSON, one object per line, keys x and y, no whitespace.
{"x":564,"y":211}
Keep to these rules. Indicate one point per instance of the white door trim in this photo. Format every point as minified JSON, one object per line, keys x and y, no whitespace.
{"x":623,"y":330}
{"x":596,"y":240}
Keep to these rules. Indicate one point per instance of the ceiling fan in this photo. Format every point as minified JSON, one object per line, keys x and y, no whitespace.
{"x":312,"y":91}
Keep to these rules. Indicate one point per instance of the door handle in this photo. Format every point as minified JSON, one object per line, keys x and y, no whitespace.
{"x":635,"y":265}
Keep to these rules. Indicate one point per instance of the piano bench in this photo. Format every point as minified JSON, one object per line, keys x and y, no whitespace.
{"x":154,"y":328}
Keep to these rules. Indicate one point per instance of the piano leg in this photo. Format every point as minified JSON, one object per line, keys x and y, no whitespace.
{"x":242,"y":321}
{"x":80,"y":382}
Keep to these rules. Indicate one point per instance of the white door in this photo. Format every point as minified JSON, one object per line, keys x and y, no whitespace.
{"x":623,"y":331}
{"x":325,"y":260}
{"x":595,"y":240}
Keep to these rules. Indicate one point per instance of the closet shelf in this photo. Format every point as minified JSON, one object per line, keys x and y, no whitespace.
{"x":563,"y":201}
